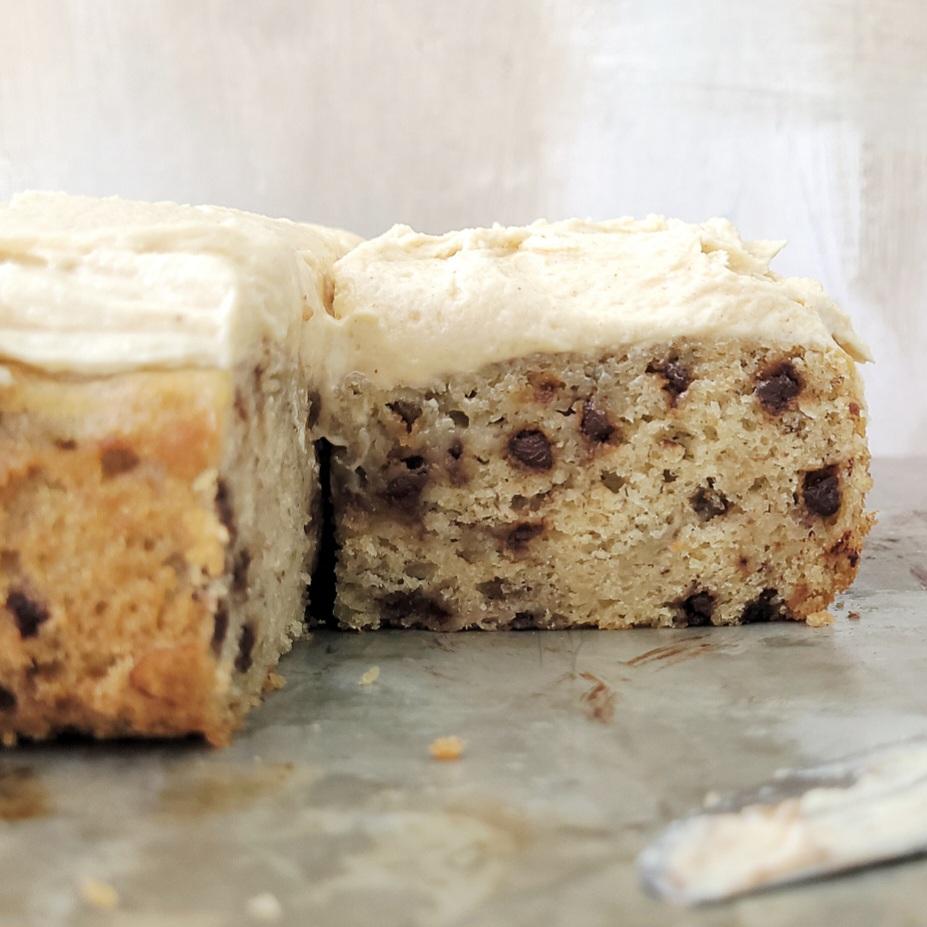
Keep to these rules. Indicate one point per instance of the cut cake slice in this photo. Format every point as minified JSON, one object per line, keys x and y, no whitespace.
{"x":589,"y":424}
{"x":158,"y":485}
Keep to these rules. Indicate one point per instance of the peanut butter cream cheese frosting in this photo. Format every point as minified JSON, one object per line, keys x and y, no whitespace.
{"x":97,"y":286}
{"x":410,"y":308}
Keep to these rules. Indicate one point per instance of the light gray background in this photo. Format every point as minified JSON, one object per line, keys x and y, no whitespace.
{"x":799,"y":120}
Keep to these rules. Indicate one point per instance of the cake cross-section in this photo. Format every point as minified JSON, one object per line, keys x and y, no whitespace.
{"x":589,"y":424}
{"x":158,"y":484}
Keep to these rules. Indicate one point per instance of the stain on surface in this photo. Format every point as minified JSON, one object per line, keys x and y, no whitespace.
{"x":598,"y":700}
{"x":220,"y":789}
{"x":672,"y":653}
{"x":22,"y":795}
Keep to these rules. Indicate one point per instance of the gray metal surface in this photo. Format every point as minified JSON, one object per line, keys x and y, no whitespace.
{"x":579,"y":748}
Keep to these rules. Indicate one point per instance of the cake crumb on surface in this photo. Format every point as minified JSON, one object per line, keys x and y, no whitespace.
{"x":370,"y":677}
{"x":446,"y":748}
{"x":820,"y":619}
{"x":265,"y":907}
{"x":99,"y":894}
{"x":273,"y":683}
{"x":854,"y":616}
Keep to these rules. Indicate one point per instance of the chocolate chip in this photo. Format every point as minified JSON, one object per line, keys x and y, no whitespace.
{"x":404,"y":490}
{"x":492,"y":589}
{"x":778,"y":386}
{"x":414,"y":462}
{"x":595,"y":424}
{"x":224,"y":508}
{"x":525,"y":621}
{"x":696,"y":610}
{"x":240,"y":571}
{"x":245,"y":649}
{"x":117,"y":459}
{"x":762,"y":609}
{"x":531,"y":448}
{"x":404,"y":609}
{"x":65,"y":444}
{"x":7,"y":699}
{"x":545,"y":386}
{"x":613,"y":481}
{"x":220,"y":627}
{"x":676,"y":376}
{"x":843,"y":548}
{"x":709,"y":502}
{"x":27,"y":613}
{"x":821,"y":491}
{"x":521,"y":534}
{"x":457,"y":468}
{"x":407,"y":411}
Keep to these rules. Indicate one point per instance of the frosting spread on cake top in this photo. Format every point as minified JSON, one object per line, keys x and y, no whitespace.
{"x":107,"y":285}
{"x":410,"y":308}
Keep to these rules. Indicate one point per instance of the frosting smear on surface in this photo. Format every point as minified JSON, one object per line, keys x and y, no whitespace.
{"x":410,"y":308}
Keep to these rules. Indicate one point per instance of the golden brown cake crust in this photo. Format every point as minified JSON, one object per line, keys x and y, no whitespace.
{"x":112,"y":547}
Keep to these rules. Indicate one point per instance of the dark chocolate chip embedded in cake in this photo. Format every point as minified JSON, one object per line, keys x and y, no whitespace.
{"x":778,"y":386}
{"x":28,"y":613}
{"x":531,"y":448}
{"x":821,"y":491}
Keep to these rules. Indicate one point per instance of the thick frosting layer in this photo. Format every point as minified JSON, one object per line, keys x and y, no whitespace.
{"x":410,"y":308}
{"x":106,"y":285}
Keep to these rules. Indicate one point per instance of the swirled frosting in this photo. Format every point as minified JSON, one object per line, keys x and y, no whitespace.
{"x":93,"y":286}
{"x":410,"y":308}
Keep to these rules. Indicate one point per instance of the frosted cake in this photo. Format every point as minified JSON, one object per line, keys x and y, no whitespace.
{"x":589,"y":424}
{"x":158,"y":485}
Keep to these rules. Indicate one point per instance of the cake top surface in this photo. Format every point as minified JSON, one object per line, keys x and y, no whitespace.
{"x":410,"y":308}
{"x":105,"y":285}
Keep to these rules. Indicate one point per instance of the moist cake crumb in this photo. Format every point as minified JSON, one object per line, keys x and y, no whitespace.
{"x":100,"y":895}
{"x":369,"y":677}
{"x":821,"y":619}
{"x":265,"y":907}
{"x":446,"y":748}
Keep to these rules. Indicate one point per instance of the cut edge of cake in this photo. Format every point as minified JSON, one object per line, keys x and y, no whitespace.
{"x":530,"y":424}
{"x":159,"y":510}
